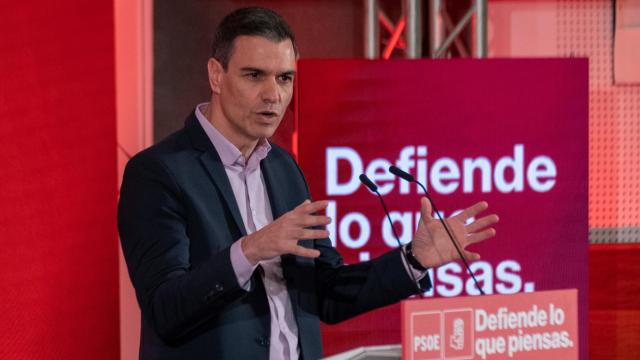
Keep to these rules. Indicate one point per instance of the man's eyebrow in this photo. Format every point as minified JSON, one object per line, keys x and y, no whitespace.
{"x":248,"y":69}
{"x":251,"y":69}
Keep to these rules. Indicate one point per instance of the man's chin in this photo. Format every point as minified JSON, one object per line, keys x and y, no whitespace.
{"x":266,"y":131}
{"x":262,"y":135}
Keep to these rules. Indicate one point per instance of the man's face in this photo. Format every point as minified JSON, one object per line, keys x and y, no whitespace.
{"x":255,"y":90}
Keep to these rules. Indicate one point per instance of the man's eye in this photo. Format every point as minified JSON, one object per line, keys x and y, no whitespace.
{"x":253,"y":75}
{"x":286,"y":78}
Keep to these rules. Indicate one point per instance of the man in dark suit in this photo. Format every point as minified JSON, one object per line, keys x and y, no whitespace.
{"x":228,"y":256}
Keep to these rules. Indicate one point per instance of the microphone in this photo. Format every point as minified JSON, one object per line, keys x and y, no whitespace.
{"x":374,"y":189}
{"x":369,"y":184}
{"x":408,"y":177}
{"x":402,"y":174}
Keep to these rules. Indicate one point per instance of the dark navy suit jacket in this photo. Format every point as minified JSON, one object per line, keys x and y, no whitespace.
{"x":178,"y":217}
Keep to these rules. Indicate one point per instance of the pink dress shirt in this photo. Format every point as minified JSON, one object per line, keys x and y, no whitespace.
{"x":253,"y":202}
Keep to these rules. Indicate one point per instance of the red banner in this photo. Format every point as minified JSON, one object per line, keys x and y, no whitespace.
{"x":511,"y":132}
{"x":541,"y":325}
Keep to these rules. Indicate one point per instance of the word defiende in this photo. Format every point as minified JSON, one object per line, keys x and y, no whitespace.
{"x":445,"y":175}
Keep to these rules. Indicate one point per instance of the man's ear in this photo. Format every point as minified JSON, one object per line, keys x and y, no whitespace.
{"x":215,"y":75}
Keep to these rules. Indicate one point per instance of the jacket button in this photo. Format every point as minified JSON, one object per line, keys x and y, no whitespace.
{"x":218,"y":287}
{"x":209,"y":295}
{"x":262,"y":341}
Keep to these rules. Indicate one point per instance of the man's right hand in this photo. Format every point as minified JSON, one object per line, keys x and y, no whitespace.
{"x":281,"y":236}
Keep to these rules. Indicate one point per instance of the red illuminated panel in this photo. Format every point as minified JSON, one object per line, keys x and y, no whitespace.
{"x":494,"y":130}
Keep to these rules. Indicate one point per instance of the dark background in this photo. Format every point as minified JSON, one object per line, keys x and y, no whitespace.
{"x":183,"y":31}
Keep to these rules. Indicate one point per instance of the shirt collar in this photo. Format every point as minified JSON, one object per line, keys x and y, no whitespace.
{"x":229,"y":153}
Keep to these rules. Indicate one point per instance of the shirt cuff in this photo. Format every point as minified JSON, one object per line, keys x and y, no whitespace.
{"x":241,"y":266}
{"x":417,"y":274}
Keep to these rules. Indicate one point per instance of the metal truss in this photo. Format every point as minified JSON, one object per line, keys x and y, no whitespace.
{"x":410,"y":25}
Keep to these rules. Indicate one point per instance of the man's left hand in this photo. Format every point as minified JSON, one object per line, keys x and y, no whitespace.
{"x":431,"y":244}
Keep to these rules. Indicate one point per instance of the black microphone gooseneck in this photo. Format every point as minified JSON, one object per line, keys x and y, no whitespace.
{"x":374,"y":189}
{"x":408,"y":177}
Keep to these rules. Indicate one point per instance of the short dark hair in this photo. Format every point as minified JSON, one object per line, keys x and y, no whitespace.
{"x":252,"y":21}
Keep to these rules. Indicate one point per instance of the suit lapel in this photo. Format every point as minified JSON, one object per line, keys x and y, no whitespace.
{"x":214,"y":167}
{"x":276,"y":185}
{"x":212,"y":163}
{"x":271,"y":178}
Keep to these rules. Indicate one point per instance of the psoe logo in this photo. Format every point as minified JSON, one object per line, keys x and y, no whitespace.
{"x":426,"y":336}
{"x":456,"y":340}
{"x":459,"y":334}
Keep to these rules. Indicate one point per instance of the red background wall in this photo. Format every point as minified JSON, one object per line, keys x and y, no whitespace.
{"x":59,"y":290}
{"x":58,"y":283}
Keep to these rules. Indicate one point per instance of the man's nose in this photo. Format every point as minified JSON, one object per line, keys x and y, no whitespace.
{"x":271,"y":91}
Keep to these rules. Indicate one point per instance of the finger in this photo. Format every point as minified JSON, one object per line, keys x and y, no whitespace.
{"x":480,"y":236}
{"x":304,"y":203}
{"x":471,"y":256}
{"x":425,"y":209}
{"x":305,"y":252}
{"x":482,"y":223}
{"x":314,"y":220}
{"x":473,"y":210}
{"x":307,"y":234}
{"x":312,"y":207}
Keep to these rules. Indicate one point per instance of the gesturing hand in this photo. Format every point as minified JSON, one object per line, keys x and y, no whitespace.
{"x":431,"y":244}
{"x":281,"y":236}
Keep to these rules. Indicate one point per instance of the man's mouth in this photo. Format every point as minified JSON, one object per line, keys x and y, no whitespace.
{"x":268,"y":114}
